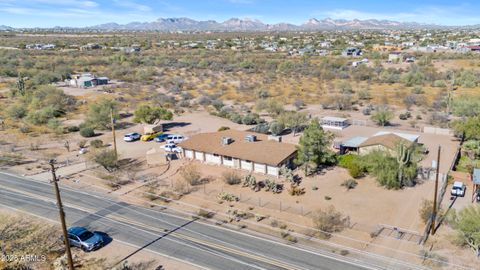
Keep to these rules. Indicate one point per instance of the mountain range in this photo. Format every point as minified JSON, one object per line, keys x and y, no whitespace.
{"x":250,"y":25}
{"x":236,"y":24}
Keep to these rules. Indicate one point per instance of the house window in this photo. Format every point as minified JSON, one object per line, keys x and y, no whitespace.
{"x":227,"y":158}
{"x":247,"y":161}
{"x":215,"y":155}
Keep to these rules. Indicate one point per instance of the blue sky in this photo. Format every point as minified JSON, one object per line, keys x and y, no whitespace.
{"x":48,"y":13}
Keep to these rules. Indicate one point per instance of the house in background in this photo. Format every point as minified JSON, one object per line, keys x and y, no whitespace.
{"x":241,"y":150}
{"x":352,"y":52}
{"x":386,"y":141}
{"x":87,"y":80}
{"x":330,"y":122}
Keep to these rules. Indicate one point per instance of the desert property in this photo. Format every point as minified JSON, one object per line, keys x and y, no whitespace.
{"x":179,"y":143}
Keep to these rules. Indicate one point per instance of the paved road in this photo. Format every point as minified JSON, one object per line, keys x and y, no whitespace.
{"x":203,"y":245}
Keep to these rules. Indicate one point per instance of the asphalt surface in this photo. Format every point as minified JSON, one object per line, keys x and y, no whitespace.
{"x":203,"y":245}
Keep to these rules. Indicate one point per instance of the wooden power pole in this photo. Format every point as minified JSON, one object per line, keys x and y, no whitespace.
{"x":62,"y":215}
{"x":113,"y":133}
{"x":435,"y":194}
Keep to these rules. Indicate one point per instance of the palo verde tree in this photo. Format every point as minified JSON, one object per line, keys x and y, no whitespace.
{"x":313,"y":148}
{"x":151,"y":114}
{"x":467,"y":226}
{"x":99,"y":114}
{"x":293,"y":120}
{"x":382,"y":116}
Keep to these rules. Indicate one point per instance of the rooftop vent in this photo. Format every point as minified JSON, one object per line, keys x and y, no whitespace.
{"x":250,"y":138}
{"x":226,"y":140}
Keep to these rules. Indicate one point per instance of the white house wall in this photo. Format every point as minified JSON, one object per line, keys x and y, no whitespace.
{"x":260,"y":168}
{"x":271,"y":170}
{"x":199,"y":155}
{"x":189,"y":154}
{"x":229,"y":163}
{"x":246,"y":165}
{"x":210,"y":158}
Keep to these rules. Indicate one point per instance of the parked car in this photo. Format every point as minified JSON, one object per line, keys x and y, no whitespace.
{"x":149,"y":137}
{"x":170,"y":147}
{"x":162,"y":137}
{"x":84,"y":239}
{"x":175,"y":138}
{"x":130,"y":137}
{"x":458,"y":189}
{"x":82,"y":150}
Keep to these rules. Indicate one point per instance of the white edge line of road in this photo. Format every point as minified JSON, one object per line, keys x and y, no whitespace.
{"x":220,"y":227}
{"x":120,"y":241}
{"x":143,"y":230}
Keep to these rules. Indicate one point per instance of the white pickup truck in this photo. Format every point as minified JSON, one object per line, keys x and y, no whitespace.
{"x":458,"y":189}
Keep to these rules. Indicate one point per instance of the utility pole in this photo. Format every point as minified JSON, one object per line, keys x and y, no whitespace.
{"x":113,"y":133}
{"x":62,"y":215}
{"x":434,"y":210}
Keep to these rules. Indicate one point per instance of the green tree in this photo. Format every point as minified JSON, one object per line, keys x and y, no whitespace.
{"x":382,"y":116}
{"x":313,"y":148}
{"x":99,"y":114}
{"x":276,"y":128}
{"x":293,"y":120}
{"x":107,"y":159}
{"x":469,"y":128}
{"x":466,"y":105}
{"x":151,"y":114}
{"x":467,"y":225}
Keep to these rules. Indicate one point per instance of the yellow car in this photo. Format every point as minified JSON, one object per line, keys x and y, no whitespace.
{"x":149,"y":137}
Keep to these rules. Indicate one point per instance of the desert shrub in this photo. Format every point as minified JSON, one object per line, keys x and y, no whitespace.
{"x":87,"y":132}
{"x":205,"y":213}
{"x":349,"y":184}
{"x":107,"y":159}
{"x":296,"y":190}
{"x":16,"y":111}
{"x":329,"y":221}
{"x":223,"y":128}
{"x":42,"y":116}
{"x":191,"y":174}
{"x":250,"y":119}
{"x":96,"y":143}
{"x":426,"y":210}
{"x":353,"y":164}
{"x":231,"y":178}
{"x":235,"y":117}
{"x":261,"y":128}
{"x":356,"y":170}
{"x":82,"y":143}
{"x":277,"y":128}
{"x":73,"y":128}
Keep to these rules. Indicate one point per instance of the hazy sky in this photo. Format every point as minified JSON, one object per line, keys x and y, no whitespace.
{"x":48,"y":13}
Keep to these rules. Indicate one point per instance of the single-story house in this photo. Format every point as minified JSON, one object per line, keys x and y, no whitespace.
{"x":241,"y":150}
{"x":88,"y":80}
{"x":379,"y":141}
{"x":334,"y":122}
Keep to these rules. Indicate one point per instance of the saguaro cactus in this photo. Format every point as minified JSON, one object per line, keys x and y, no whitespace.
{"x":403,"y":158}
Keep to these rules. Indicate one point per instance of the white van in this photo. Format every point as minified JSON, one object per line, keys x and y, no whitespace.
{"x":175,"y":138}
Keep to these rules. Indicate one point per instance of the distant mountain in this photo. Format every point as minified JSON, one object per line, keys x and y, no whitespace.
{"x":6,"y":28}
{"x":236,"y":24}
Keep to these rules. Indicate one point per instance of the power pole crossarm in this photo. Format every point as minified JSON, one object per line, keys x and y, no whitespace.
{"x":62,"y":215}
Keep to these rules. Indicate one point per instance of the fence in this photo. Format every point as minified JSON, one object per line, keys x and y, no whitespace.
{"x":443,"y":189}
